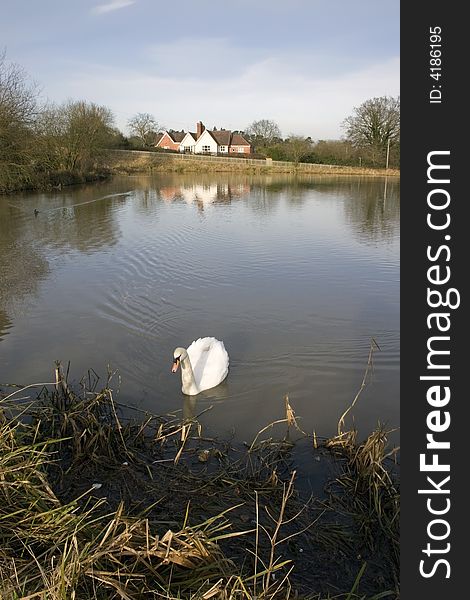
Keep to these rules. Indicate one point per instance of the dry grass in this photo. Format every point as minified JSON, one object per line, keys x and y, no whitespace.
{"x":368,"y":489}
{"x":95,"y":505}
{"x":126,"y":162}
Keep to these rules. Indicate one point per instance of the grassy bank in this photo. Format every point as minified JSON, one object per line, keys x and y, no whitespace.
{"x":133,"y":162}
{"x":94,"y":504}
{"x":30,"y":179}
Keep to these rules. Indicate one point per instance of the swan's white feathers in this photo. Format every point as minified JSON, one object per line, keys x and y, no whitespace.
{"x":209,"y":361}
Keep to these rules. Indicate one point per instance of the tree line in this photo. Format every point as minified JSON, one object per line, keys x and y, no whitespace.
{"x":371,"y":138}
{"x":45,"y":143}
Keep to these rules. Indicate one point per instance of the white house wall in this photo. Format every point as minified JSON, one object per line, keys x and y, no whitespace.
{"x":206,"y":140}
{"x":188,"y":140}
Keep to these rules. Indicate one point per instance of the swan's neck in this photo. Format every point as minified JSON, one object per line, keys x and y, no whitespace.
{"x":187,"y":377}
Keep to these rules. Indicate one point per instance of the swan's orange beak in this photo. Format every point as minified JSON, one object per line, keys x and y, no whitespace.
{"x":176,"y":364}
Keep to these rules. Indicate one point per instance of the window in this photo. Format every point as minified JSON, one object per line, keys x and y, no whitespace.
{"x":223,"y":149}
{"x":241,"y":150}
{"x":206,"y":149}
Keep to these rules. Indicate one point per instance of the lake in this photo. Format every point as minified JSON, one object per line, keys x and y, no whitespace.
{"x":295,"y":275}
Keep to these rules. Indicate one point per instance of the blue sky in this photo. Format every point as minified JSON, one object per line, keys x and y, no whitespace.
{"x":303,"y":63}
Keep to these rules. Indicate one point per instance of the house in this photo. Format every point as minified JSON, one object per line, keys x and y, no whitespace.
{"x":220,"y":141}
{"x":170,"y":140}
{"x":239,"y":145}
{"x":203,"y":141}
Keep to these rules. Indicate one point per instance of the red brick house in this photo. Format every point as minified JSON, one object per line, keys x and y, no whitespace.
{"x":170,"y":140}
{"x":239,"y":144}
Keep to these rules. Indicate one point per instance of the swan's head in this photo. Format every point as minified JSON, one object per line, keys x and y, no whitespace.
{"x":178,"y":355}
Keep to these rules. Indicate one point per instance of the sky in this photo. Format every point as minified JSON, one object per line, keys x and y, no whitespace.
{"x":306,"y":64}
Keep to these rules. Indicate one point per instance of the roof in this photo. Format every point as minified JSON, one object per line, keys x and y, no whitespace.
{"x":222,"y":137}
{"x":158,"y":137}
{"x":239,"y":140}
{"x":176,"y":136}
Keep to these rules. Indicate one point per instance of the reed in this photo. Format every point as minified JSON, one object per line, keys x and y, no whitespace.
{"x":95,"y":503}
{"x":368,"y":484}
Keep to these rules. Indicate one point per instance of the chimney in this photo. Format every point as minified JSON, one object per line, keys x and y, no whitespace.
{"x":199,"y":129}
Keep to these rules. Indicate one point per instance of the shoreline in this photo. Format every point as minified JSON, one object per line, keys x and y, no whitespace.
{"x":133,"y":162}
{"x":106,"y":502}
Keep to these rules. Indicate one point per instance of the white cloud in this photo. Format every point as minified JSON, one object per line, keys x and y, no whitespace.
{"x":222,"y":57}
{"x":210,"y":58}
{"x":306,"y":100}
{"x":110,"y":6}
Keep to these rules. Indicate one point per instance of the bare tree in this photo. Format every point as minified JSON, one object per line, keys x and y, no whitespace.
{"x":18,"y":108}
{"x":375,"y":123}
{"x":145,"y":127}
{"x":72,"y":134}
{"x":298,"y":147}
{"x":263,"y":132}
{"x":18,"y":95}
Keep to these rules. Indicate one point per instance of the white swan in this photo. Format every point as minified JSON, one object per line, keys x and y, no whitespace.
{"x":203,"y":365}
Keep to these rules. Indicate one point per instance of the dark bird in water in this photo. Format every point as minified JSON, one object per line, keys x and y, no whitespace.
{"x":36,"y":212}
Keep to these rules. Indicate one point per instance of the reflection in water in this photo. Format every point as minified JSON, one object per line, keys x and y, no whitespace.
{"x":80,"y":219}
{"x":189,"y":407}
{"x":295,"y":274}
{"x":206,"y":399}
{"x":22,"y":264}
{"x":374,"y":211}
{"x":5,"y":324}
{"x":203,"y":194}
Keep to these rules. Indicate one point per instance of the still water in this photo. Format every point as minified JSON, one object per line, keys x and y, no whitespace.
{"x":295,"y":275}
